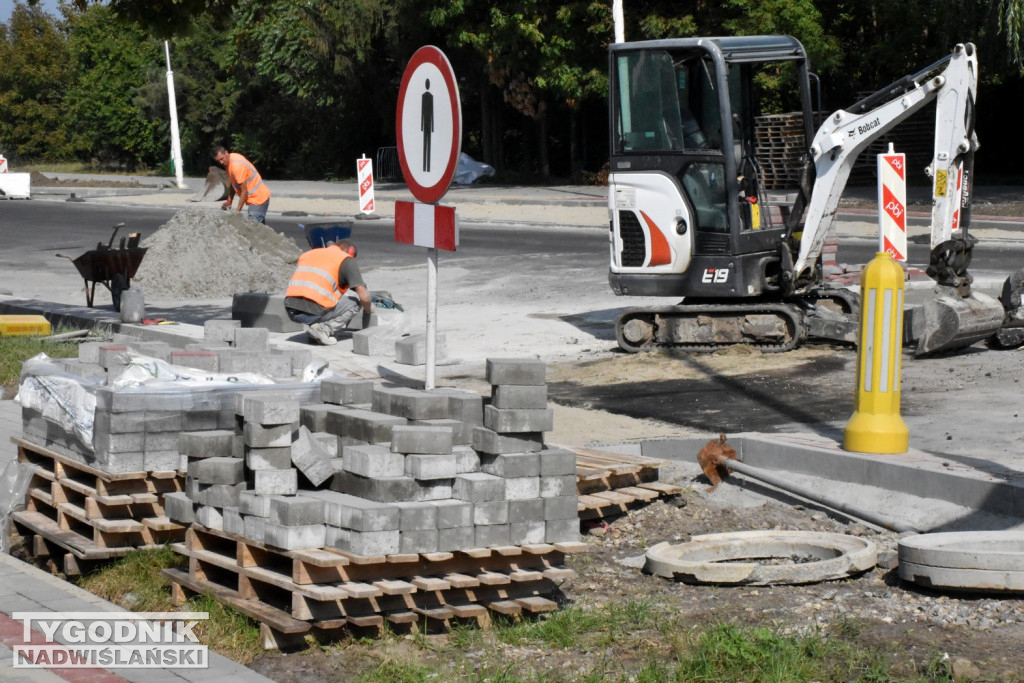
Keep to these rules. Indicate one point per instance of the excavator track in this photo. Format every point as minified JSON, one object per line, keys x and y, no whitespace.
{"x":770,"y":327}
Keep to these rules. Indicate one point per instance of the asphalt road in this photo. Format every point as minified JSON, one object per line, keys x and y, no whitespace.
{"x":34,"y":231}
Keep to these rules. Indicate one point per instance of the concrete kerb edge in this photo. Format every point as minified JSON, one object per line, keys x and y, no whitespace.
{"x":826,"y":459}
{"x":89,"y":318}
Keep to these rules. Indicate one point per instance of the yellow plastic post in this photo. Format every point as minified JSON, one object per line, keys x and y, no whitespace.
{"x":876,"y":425}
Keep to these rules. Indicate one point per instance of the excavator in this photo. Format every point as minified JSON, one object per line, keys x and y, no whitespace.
{"x":690,"y":215}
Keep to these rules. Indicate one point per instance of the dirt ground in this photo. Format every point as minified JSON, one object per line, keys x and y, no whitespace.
{"x":915,"y":627}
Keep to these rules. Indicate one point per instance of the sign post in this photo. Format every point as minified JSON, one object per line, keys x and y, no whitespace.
{"x":428,"y":127}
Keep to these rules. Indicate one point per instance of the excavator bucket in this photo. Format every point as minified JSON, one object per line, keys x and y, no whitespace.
{"x":948,"y":321}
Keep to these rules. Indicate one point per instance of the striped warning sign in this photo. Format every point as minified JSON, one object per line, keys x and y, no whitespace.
{"x":892,"y":203}
{"x":364,"y":172}
{"x":426,"y":225}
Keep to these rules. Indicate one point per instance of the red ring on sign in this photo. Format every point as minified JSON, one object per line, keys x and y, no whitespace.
{"x":428,"y":54}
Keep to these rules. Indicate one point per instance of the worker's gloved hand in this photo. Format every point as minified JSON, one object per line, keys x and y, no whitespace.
{"x":225,"y":206}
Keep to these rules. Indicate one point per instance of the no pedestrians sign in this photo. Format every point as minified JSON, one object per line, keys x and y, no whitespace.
{"x":428,"y":124}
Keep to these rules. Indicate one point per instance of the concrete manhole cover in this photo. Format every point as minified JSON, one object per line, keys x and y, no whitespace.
{"x":763,"y":558}
{"x":964,"y":560}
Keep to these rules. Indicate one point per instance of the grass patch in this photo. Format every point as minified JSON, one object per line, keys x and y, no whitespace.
{"x":16,"y":350}
{"x":728,"y":653}
{"x":134,"y":582}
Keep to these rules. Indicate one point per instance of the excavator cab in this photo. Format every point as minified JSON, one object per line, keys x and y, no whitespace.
{"x":691,"y":215}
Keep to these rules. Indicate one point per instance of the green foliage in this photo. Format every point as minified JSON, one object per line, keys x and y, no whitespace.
{"x":105,"y":98}
{"x":307,"y":48}
{"x":35,"y":71}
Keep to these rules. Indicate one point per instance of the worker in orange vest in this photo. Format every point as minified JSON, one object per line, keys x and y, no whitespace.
{"x":316,"y":292}
{"x":246,"y":182}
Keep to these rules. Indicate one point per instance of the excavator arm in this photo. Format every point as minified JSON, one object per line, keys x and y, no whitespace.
{"x":952,"y":83}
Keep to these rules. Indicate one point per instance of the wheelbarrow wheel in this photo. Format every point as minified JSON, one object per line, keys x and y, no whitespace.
{"x":118,"y":284}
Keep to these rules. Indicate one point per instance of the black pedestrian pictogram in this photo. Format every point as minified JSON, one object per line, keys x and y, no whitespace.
{"x":426,"y":124}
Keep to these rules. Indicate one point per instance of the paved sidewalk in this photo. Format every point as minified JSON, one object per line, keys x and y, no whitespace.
{"x":25,"y":588}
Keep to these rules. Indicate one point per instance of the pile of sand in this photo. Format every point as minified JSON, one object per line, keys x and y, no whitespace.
{"x":202,"y":254}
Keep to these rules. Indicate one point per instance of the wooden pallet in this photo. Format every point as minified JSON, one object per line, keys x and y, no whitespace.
{"x":83,"y":513}
{"x":609,"y":484}
{"x":293,"y":593}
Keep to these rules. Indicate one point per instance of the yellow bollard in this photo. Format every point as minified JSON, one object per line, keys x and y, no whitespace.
{"x":876,"y":425}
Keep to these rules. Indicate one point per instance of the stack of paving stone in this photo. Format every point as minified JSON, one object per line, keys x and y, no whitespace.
{"x":91,"y":499}
{"x":137,"y":429}
{"x":418,"y":471}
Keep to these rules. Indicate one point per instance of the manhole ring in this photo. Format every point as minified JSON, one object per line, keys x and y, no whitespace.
{"x":964,"y":560}
{"x":740,"y":558}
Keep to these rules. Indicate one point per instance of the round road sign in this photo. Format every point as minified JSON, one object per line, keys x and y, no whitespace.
{"x":428,"y":124}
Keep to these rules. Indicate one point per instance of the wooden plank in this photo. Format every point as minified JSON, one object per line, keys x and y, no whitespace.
{"x":614,"y":497}
{"x":470,"y":611}
{"x":661,"y":487}
{"x":461,"y":581}
{"x":118,"y":526}
{"x":329,"y":624}
{"x":319,"y":557}
{"x":262,"y":612}
{"x":493,"y":578}
{"x":403,"y":558}
{"x":367,"y":621}
{"x":393,"y":587}
{"x":522,"y":575}
{"x":361,"y":590}
{"x":558,"y":573}
{"x":537,"y":604}
{"x":439,"y":613}
{"x":437,"y":557}
{"x":430,"y":583}
{"x":409,"y":617}
{"x":161,"y":523}
{"x":506,"y":607}
{"x":570,"y":547}
{"x":638,"y":493}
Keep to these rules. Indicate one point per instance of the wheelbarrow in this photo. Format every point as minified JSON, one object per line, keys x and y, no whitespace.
{"x":320,"y":234}
{"x":111,"y":267}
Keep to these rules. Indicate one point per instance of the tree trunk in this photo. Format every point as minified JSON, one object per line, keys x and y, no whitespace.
{"x":543,"y":161}
{"x":575,"y":156}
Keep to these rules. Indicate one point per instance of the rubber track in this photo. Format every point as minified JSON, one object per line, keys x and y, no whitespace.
{"x":790,"y":312}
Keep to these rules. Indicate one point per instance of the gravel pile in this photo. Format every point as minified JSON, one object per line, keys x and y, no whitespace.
{"x":202,"y":254}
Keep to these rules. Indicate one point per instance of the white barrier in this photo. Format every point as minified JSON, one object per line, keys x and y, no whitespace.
{"x":15,"y":185}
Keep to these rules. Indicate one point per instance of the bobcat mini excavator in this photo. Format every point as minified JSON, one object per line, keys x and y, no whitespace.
{"x":691,"y":218}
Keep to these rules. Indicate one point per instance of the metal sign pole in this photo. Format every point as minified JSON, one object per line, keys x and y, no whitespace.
{"x":429,"y":381}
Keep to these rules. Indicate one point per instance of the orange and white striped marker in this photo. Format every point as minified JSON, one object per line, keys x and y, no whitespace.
{"x":3,"y":164}
{"x":364,"y":170}
{"x":892,"y":204}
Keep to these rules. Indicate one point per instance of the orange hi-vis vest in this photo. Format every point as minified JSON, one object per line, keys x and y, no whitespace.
{"x":242,"y":173}
{"x":316,"y":278}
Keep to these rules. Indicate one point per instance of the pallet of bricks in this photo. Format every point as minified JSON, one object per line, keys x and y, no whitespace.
{"x":380,"y":505}
{"x":100,"y":455}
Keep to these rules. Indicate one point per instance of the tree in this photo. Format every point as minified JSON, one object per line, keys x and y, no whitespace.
{"x":35,"y":72}
{"x":104,"y":100}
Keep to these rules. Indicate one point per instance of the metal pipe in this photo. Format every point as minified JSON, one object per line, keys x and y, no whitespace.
{"x":67,"y":335}
{"x":817,"y":497}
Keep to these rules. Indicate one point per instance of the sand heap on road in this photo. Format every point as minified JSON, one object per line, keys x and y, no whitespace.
{"x":202,"y":254}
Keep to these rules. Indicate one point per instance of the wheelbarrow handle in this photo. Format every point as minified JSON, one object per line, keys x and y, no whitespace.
{"x":65,"y":256}
{"x":114,"y":234}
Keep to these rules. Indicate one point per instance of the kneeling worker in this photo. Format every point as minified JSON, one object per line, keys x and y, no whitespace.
{"x":316,"y":293}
